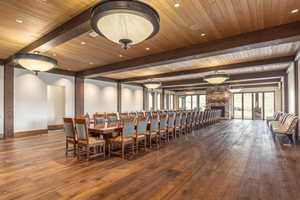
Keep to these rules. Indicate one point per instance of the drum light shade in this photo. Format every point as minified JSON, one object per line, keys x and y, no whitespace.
{"x":233,"y":90}
{"x":126,"y":22}
{"x":216,"y":78}
{"x":35,"y":62}
{"x":152,"y":84}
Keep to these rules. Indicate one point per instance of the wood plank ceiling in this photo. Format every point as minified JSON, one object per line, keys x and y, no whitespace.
{"x":194,"y":22}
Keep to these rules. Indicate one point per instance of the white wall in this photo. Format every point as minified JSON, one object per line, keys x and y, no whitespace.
{"x":56,"y":104}
{"x":30,"y":98}
{"x":132,"y":98}
{"x":1,"y":98}
{"x":291,"y":89}
{"x":99,"y":96}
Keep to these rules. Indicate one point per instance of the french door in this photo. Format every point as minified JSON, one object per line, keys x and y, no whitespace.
{"x":253,"y":105}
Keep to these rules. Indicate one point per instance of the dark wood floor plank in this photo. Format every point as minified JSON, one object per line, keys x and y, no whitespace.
{"x":229,"y":160}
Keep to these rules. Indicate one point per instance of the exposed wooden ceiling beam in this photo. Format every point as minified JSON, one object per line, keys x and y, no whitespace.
{"x":280,"y":60}
{"x":243,"y":86}
{"x":233,"y":77}
{"x":257,"y":39}
{"x":73,"y":28}
{"x":272,"y":80}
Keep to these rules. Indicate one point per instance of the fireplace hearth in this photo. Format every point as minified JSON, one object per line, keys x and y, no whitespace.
{"x":222,"y":108}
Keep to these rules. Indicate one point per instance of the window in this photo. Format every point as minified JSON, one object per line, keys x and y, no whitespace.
{"x":158,"y":101}
{"x":181,"y":100}
{"x":202,"y":101}
{"x":269,"y":102}
{"x":188,"y":102}
{"x":194,"y":102}
{"x":237,"y":106}
{"x":172,"y":101}
{"x":150,"y":100}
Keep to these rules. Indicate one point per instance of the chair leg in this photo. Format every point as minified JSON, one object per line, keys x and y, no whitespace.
{"x":67,"y":146}
{"x":137,"y":146}
{"x":132,"y":148}
{"x":123,"y":150}
{"x":88,"y":153}
{"x":145,"y":143}
{"x":291,"y":138}
{"x":104,"y":150}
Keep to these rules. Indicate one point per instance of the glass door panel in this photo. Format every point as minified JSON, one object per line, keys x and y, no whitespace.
{"x":194,"y":101}
{"x":188,"y":102}
{"x":237,"y":105}
{"x":247,"y":107}
{"x":269,"y":104}
{"x":258,"y":106}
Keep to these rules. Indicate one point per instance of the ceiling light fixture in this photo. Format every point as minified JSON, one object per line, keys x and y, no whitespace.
{"x":35,"y":62}
{"x":295,"y":11}
{"x":176,"y":5}
{"x":152,"y":84}
{"x":203,"y":34}
{"x":126,"y":22}
{"x":82,"y":43}
{"x":147,"y":48}
{"x":216,"y":78}
{"x":19,"y":21}
{"x":234,"y":90}
{"x":190,"y":92}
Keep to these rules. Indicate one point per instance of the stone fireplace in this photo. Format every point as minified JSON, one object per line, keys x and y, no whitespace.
{"x":219,"y":98}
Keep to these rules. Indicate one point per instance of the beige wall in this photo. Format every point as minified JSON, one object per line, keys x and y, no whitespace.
{"x":291,"y":89}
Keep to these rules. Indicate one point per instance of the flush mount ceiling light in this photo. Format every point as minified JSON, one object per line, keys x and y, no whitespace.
{"x":216,"y":78}
{"x":234,"y":90}
{"x":35,"y":62}
{"x":126,"y":22}
{"x":152,"y":84}
{"x":190,"y":92}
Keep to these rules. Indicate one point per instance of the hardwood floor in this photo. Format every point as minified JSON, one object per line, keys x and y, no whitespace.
{"x":229,"y":160}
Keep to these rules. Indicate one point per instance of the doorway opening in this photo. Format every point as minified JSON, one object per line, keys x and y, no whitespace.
{"x":56,"y":106}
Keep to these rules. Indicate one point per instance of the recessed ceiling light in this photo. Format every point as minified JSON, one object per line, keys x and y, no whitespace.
{"x":195,"y":27}
{"x":295,"y":11}
{"x":147,"y":48}
{"x":19,"y":21}
{"x":54,"y":54}
{"x":69,"y":69}
{"x":91,"y":63}
{"x":82,"y":43}
{"x":203,"y":34}
{"x":176,"y":5}
{"x":121,"y":56}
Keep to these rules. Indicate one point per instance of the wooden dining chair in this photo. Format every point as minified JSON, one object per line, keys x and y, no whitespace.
{"x":132,"y":114}
{"x":171,"y":126}
{"x":99,"y":119}
{"x":163,"y":129}
{"x":112,"y":118}
{"x":86,"y":145}
{"x":86,"y":117}
{"x":126,"y":138}
{"x":184,"y":123}
{"x":140,"y":114}
{"x":70,"y":135}
{"x":153,"y":132}
{"x":123,"y":116}
{"x":178,"y":129}
{"x":141,"y":133}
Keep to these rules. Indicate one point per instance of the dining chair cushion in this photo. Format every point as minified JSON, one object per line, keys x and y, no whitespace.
{"x":94,"y":140}
{"x":128,"y":129}
{"x":81,"y":131}
{"x":122,"y":139}
{"x":142,"y":127}
{"x":69,"y":129}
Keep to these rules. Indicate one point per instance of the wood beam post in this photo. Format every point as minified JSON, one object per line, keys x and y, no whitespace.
{"x":8,"y":101}
{"x":296,"y":81}
{"x":286,"y":94}
{"x":162,"y":100}
{"x":145,"y":99}
{"x":119,"y":96}
{"x":79,"y":95}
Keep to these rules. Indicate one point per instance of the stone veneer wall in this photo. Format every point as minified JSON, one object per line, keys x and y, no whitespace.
{"x":219,"y":96}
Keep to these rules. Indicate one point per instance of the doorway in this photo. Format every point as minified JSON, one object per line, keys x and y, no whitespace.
{"x":253,"y":105}
{"x":56,"y":105}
